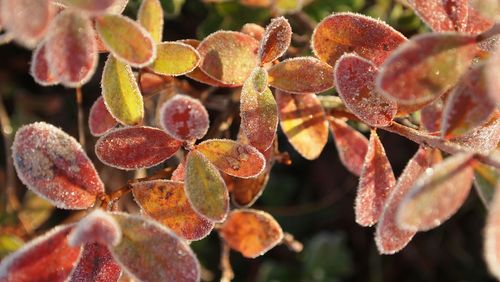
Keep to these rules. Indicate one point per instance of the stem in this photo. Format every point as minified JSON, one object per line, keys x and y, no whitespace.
{"x":225,"y":263}
{"x":492,"y":32}
{"x":291,"y":243}
{"x":10,"y":188}
{"x":81,"y":121}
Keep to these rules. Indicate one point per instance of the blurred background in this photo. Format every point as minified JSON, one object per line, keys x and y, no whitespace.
{"x":313,"y":200}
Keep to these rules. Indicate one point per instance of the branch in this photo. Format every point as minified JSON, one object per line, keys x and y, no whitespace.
{"x":81,"y":118}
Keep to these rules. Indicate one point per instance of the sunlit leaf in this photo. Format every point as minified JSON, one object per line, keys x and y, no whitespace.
{"x":121,"y":93}
{"x":118,"y":7}
{"x":166,"y":202}
{"x":486,"y":179}
{"x":468,"y":105}
{"x":35,"y":211}
{"x":47,"y":258}
{"x":251,"y":232}
{"x":425,"y":67}
{"x":184,"y":118}
{"x":39,"y":68}
{"x":205,"y":188}
{"x":228,"y":56}
{"x":351,"y":145}
{"x":92,"y":6}
{"x":175,"y":58}
{"x":375,"y":183}
{"x":27,"y":20}
{"x":437,"y":195}
{"x":100,"y":120}
{"x":53,"y":165}
{"x":482,"y":139}
{"x":389,"y":238}
{"x":150,"y":252}
{"x":126,"y":40}
{"x":254,"y":30}
{"x":135,"y":147}
{"x":150,"y":16}
{"x":301,"y":75}
{"x":447,"y":15}
{"x":276,"y":40}
{"x":492,"y":71}
{"x":346,"y":32}
{"x":96,"y":227}
{"x":258,"y":111}
{"x":95,"y":264}
{"x":77,"y":32}
{"x":232,"y":157}
{"x":355,"y":84}
{"x":304,"y":123}
{"x":287,"y":6}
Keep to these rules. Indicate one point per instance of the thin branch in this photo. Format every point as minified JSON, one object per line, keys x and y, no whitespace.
{"x":291,"y":243}
{"x":225,"y":263}
{"x":81,"y":117}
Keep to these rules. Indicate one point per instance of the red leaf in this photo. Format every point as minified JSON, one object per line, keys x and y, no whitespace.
{"x":446,"y":15}
{"x":96,"y":264}
{"x":135,"y":147}
{"x":100,"y":120}
{"x":375,"y":183}
{"x":468,"y":105}
{"x":492,"y":71}
{"x":77,"y":33}
{"x":347,"y":32}
{"x":483,"y":139}
{"x":276,"y":40}
{"x":39,"y":68}
{"x":389,"y":238}
{"x":53,"y":165}
{"x":351,"y":145}
{"x":355,"y":83}
{"x":184,"y":118}
{"x":47,"y":258}
{"x":97,"y":227}
{"x":430,"y":116}
{"x":437,"y":194}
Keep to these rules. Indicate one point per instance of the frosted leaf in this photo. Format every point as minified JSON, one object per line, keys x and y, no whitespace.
{"x":53,"y":165}
{"x":48,"y":258}
{"x":437,"y":194}
{"x":483,"y":139}
{"x":150,"y":16}
{"x":137,"y":147}
{"x":95,"y":264}
{"x":97,"y":227}
{"x":39,"y":68}
{"x":175,"y":58}
{"x":447,"y":15}
{"x":178,"y":174}
{"x":376,"y":182}
{"x":351,"y":145}
{"x":389,"y":238}
{"x":100,"y":120}
{"x":184,"y":118}
{"x":251,"y":232}
{"x":355,"y":84}
{"x":74,"y":62}
{"x":431,"y":115}
{"x":276,"y":40}
{"x":485,"y":181}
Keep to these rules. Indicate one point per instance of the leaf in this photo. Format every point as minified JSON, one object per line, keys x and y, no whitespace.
{"x":152,"y":84}
{"x":175,"y":58}
{"x":276,"y":40}
{"x":137,"y":147}
{"x":121,"y":93}
{"x":150,"y":252}
{"x":447,"y":15}
{"x":304,"y":123}
{"x":355,"y":84}
{"x":347,"y":32}
{"x":437,"y":195}
{"x":477,"y":22}
{"x":95,"y":264}
{"x":76,"y":31}
{"x":468,"y":105}
{"x":184,"y":118}
{"x":256,"y":3}
{"x":351,"y":145}
{"x":91,"y":6}
{"x":254,"y":30}
{"x":126,"y":40}
{"x":301,"y":75}
{"x":49,"y":258}
{"x":178,"y":173}
{"x":376,"y":183}
{"x":493,"y":83}
{"x":486,"y":9}
{"x":431,"y":115}
{"x":425,"y":67}
{"x":251,"y":232}
{"x":27,"y":20}
{"x":258,"y":111}
{"x":39,"y":68}
{"x":150,"y":16}
{"x":389,"y":238}
{"x":205,"y":188}
{"x":287,"y":6}
{"x":483,"y":139}
{"x":100,"y":120}
{"x":486,"y":179}
{"x":491,"y":234}
{"x":166,"y":202}
{"x":228,"y":56}
{"x":35,"y":211}
{"x":54,"y":166}
{"x":232,"y":157}
{"x":96,"y":227}
{"x":9,"y":244}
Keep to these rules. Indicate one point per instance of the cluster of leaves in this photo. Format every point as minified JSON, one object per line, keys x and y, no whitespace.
{"x":447,"y":76}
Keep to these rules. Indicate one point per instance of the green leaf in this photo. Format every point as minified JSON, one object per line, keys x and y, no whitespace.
{"x":175,"y":58}
{"x":485,"y":180}
{"x":9,"y":244}
{"x":150,"y":16}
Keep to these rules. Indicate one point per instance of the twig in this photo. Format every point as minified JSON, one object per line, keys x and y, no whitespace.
{"x":225,"y":263}
{"x":291,"y":243}
{"x":81,"y":121}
